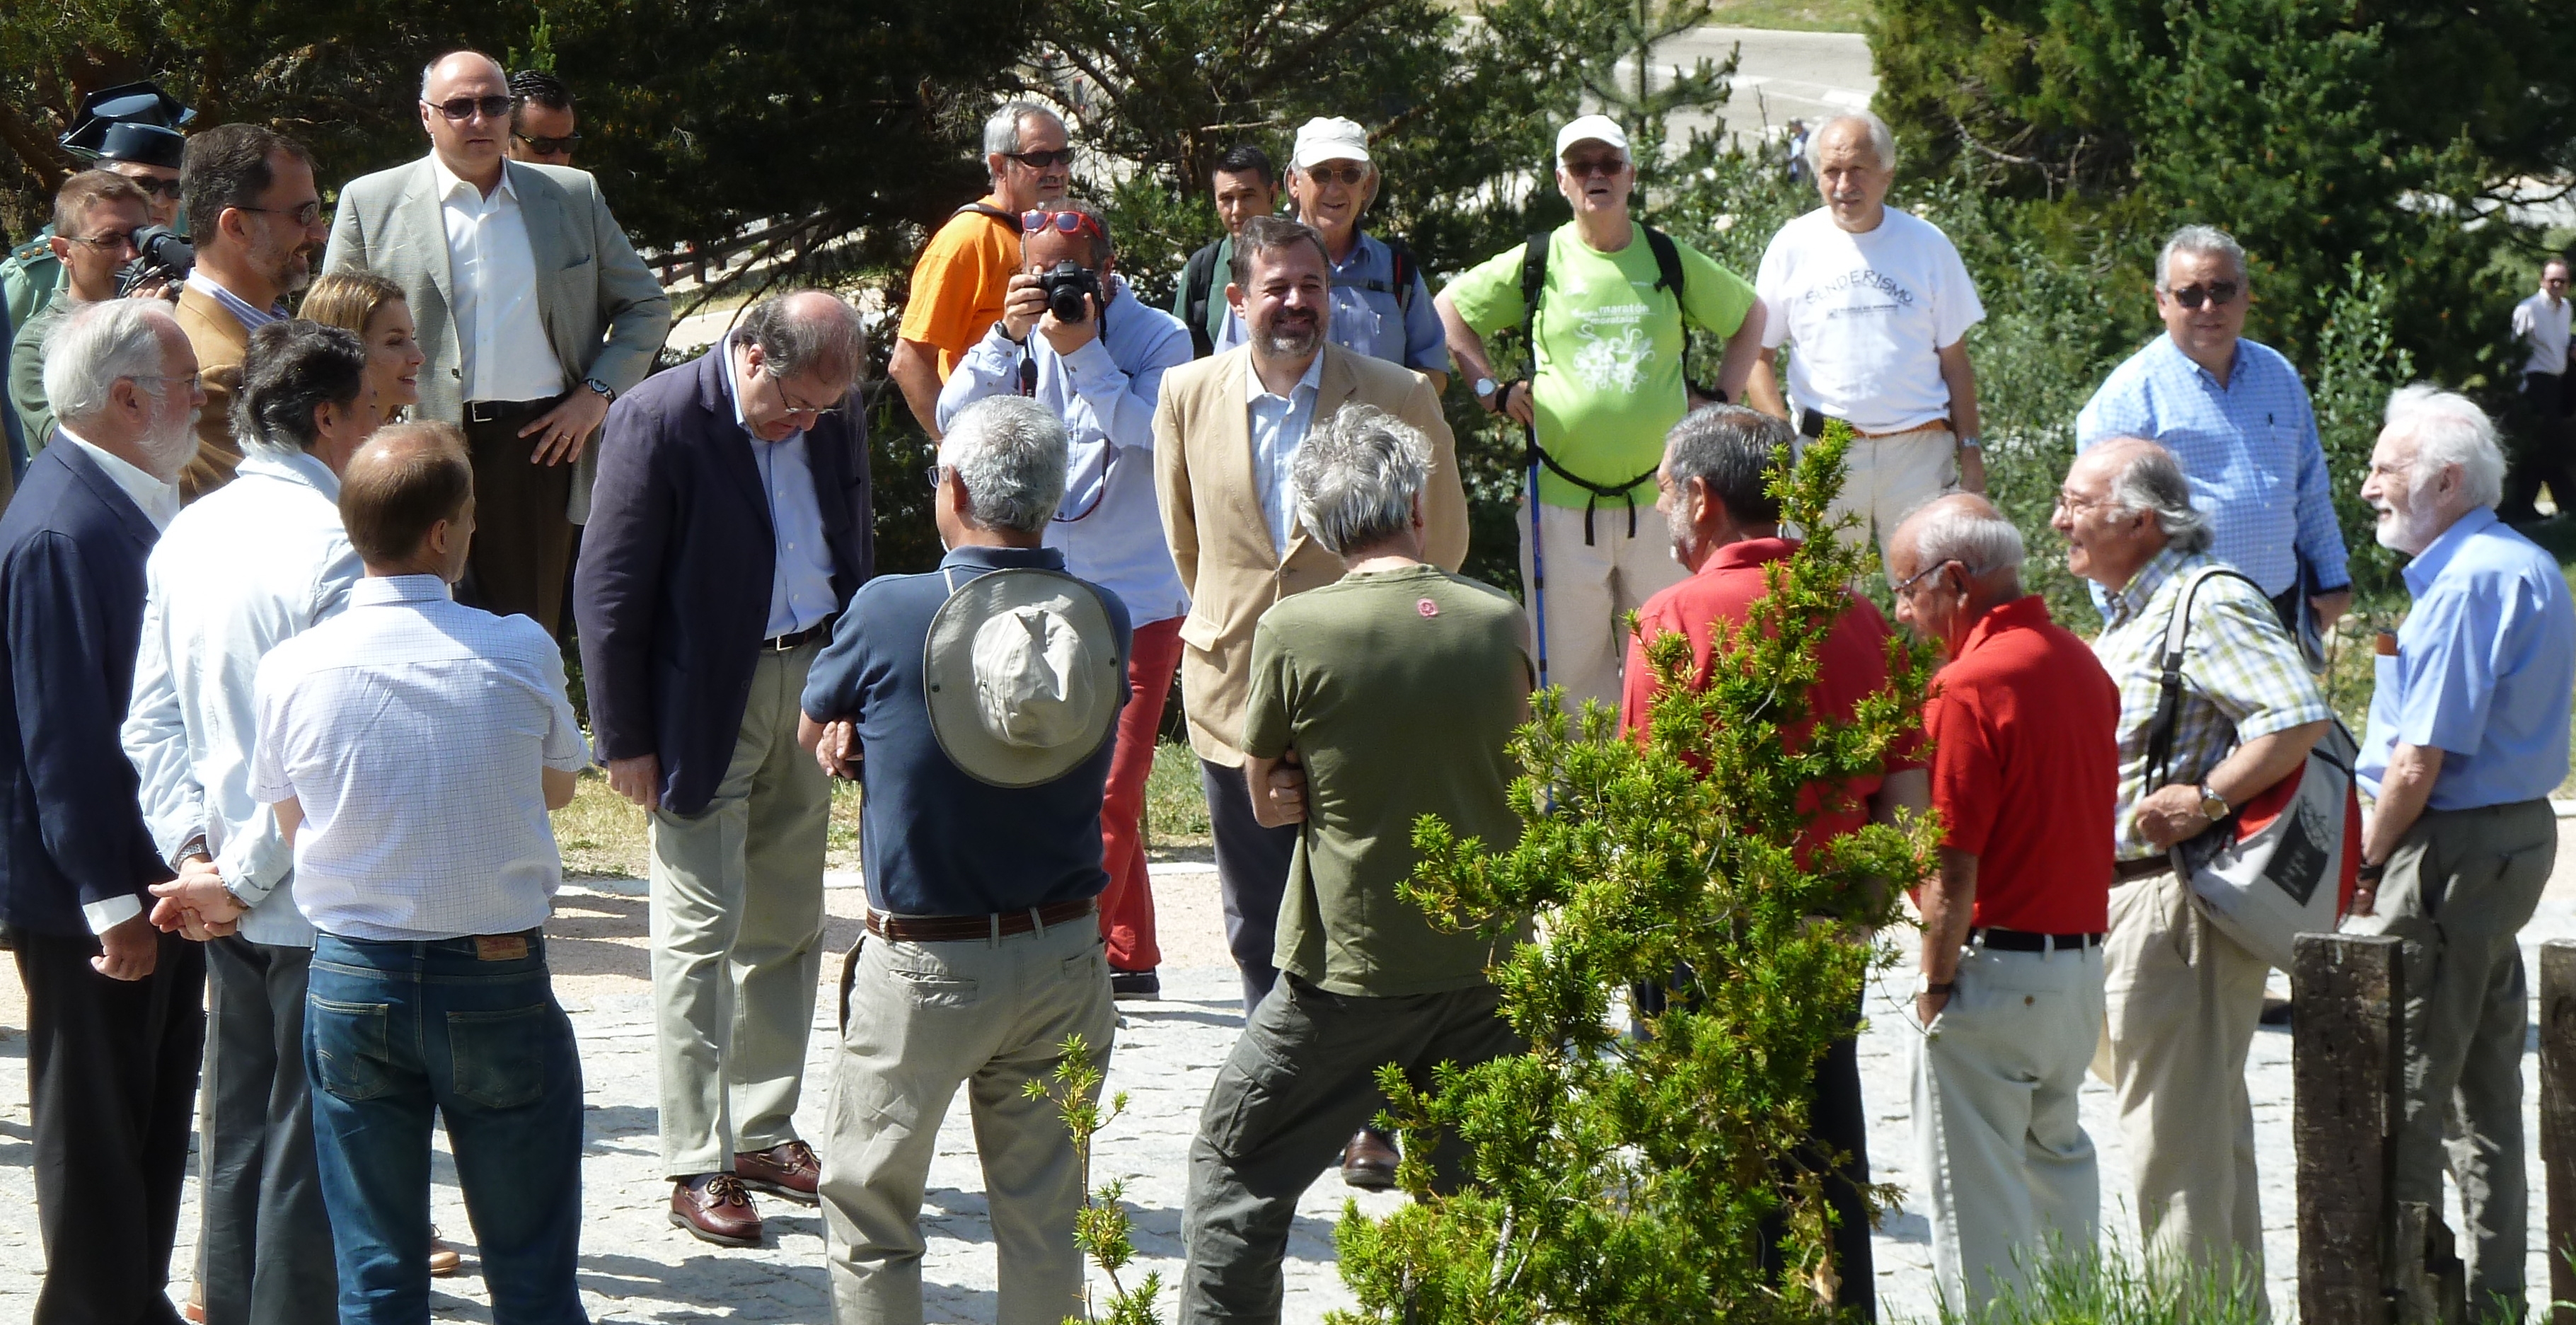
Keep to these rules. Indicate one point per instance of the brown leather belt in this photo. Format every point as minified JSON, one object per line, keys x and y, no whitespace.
{"x":1812,"y":424}
{"x":958,"y":929}
{"x":2146,"y":867}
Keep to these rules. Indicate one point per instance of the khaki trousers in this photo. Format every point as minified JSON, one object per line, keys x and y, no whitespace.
{"x":2011,"y":1173}
{"x":2461,"y":886}
{"x":1592,"y":586}
{"x":2182,"y":1000}
{"x":1887,"y":477}
{"x":921,"y":1020}
{"x":737,"y":926}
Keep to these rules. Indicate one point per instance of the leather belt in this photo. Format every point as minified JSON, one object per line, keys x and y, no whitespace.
{"x":494,"y":411}
{"x":796,"y":639}
{"x":1812,"y":424}
{"x":958,"y":929}
{"x":2145,"y":867}
{"x":2015,"y":940}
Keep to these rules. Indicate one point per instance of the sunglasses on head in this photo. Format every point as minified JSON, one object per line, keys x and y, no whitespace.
{"x":549,"y":146}
{"x":1041,"y":220}
{"x":1344,"y":175}
{"x":2219,"y":293}
{"x":464,"y":108}
{"x":1062,"y":156}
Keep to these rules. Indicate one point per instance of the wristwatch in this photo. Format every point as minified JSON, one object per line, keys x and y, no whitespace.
{"x":2213,"y":806}
{"x":606,"y":392}
{"x":1971,"y":443}
{"x":1925,"y":984}
{"x":1489,"y":393}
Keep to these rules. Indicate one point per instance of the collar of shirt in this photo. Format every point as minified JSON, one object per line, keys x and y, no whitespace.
{"x":449,"y":182}
{"x":2134,"y":596}
{"x":392,"y":590}
{"x":1254,"y":392}
{"x":298,"y":467}
{"x":2235,"y":361}
{"x":252,"y":319}
{"x":1745,"y":552}
{"x":2429,"y":564}
{"x":2024,"y":613}
{"x":158,"y":500}
{"x":981,"y":557}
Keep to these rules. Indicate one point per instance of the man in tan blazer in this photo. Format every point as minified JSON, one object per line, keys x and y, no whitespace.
{"x":1224,"y":432}
{"x":256,"y":218}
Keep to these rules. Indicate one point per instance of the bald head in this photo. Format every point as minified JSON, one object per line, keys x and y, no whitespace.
{"x":1951,"y":562}
{"x":795,"y":356}
{"x":469,"y":143}
{"x":407,"y":499}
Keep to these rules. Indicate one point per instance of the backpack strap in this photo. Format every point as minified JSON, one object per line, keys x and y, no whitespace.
{"x":1401,"y":287}
{"x":2168,"y":716}
{"x":1668,"y":261}
{"x":987,"y":209}
{"x":1198,"y":288}
{"x":1533,"y":288}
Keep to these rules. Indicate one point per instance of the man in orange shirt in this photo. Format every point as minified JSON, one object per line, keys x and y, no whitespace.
{"x":1725,"y":526}
{"x":958,"y":285}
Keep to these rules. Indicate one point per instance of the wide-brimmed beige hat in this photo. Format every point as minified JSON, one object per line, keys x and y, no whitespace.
{"x":1023,"y":676}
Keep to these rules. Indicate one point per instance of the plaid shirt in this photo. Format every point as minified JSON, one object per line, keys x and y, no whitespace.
{"x":2242,"y":679}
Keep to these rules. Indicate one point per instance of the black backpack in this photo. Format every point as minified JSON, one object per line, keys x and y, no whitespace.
{"x":1668,"y":276}
{"x":1198,"y":290}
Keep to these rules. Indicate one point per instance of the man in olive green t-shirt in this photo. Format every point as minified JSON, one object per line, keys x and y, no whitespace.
{"x":1608,"y":387}
{"x":1396,"y":688}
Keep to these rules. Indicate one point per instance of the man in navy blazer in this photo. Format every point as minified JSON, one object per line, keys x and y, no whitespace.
{"x":115,"y":1023}
{"x":728,"y":529}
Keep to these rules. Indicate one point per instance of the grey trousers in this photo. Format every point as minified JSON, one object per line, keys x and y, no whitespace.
{"x":2461,"y":886}
{"x":1301,"y":1079}
{"x":265,"y":1241}
{"x":1252,"y":864}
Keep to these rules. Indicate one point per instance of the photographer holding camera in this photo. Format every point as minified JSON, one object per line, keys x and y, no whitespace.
{"x":96,"y":215}
{"x":1075,"y":338}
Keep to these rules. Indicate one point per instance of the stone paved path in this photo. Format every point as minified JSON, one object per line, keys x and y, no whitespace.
{"x":637,"y":1268}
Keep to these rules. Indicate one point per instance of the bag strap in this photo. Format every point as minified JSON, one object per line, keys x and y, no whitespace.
{"x":1668,"y":261}
{"x":1198,"y":287}
{"x":987,"y":209}
{"x":2168,"y":716}
{"x":1533,"y":289}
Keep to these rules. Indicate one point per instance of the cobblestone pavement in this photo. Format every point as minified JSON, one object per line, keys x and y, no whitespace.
{"x":636,"y":1267}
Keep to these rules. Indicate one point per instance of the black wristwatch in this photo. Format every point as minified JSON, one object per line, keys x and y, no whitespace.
{"x":605,"y":391}
{"x":2372,"y":873}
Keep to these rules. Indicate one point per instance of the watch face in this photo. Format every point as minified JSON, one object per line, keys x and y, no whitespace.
{"x":1484,"y":386}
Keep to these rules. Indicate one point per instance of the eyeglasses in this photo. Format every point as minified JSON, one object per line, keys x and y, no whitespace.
{"x":1344,"y":175}
{"x":550,"y":146}
{"x":154,"y":188}
{"x":778,"y":384}
{"x":1037,"y":221}
{"x":1607,"y":166}
{"x":1907,"y":588}
{"x":304,"y":215}
{"x":2074,"y":504}
{"x":194,"y":380}
{"x":1062,"y":156}
{"x":933,"y":474}
{"x":2217,"y":293}
{"x":107,"y":243}
{"x":458,"y":109}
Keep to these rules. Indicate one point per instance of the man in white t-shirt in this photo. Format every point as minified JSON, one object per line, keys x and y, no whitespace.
{"x":1877,"y":303}
{"x":2540,"y":325}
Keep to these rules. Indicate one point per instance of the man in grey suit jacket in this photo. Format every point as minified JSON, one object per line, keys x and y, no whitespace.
{"x":533,"y":309}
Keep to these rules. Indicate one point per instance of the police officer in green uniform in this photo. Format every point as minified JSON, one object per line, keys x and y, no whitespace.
{"x":132,"y":129}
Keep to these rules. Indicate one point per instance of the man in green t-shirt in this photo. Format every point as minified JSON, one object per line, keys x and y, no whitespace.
{"x":1396,"y":688}
{"x":1608,"y":386}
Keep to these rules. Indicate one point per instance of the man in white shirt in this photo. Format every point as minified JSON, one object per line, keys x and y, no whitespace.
{"x":1877,"y":304}
{"x":255,"y":217}
{"x":410,"y":749}
{"x":532,"y":308}
{"x":2540,"y":325}
{"x":258,"y":561}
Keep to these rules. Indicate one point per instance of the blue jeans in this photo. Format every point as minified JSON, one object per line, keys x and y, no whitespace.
{"x":468,"y":1027}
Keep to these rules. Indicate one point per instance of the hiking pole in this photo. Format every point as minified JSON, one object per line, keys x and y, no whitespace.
{"x":1538,"y":559}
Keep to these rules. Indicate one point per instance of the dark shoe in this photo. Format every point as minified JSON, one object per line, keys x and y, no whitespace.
{"x":2276,"y":1012}
{"x":1134,"y":984}
{"x":443,"y":1260}
{"x":788,"y":1169}
{"x":1368,"y":1162}
{"x":715,"y":1208}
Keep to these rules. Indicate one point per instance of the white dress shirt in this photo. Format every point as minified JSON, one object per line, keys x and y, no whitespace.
{"x":492,"y":279}
{"x":410,"y":730}
{"x":800,"y":587}
{"x":159,"y":502}
{"x":1279,"y":425}
{"x":250,"y":565}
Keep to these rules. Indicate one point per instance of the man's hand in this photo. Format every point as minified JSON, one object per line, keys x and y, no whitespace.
{"x":1067,"y":337}
{"x":638,"y":779}
{"x":196,"y":905}
{"x":2330,"y":608}
{"x":1516,"y":403}
{"x":561,"y":431}
{"x":1023,"y":304}
{"x":1928,"y":1006}
{"x":1278,"y":788}
{"x":129,"y":951}
{"x":2171,"y":814}
{"x":837,"y":750}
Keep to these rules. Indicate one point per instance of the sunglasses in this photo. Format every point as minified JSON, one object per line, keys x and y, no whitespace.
{"x":550,"y":146}
{"x":1344,"y":175}
{"x":1609,"y":166}
{"x":154,"y":188}
{"x":1062,"y":156}
{"x":458,"y":109}
{"x":1040,"y":220}
{"x":2216,"y":293}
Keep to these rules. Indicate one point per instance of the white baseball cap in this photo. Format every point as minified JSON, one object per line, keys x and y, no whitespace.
{"x":1329,"y":139}
{"x":1594,"y":129}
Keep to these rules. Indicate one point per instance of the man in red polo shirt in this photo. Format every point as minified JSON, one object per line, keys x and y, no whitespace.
{"x":2025,"y":768}
{"x":1725,"y":527}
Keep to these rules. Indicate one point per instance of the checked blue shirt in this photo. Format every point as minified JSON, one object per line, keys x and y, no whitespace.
{"x":2250,"y":449}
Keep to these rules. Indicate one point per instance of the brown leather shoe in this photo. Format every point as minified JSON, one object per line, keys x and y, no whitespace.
{"x":715,"y":1208}
{"x":195,"y":1310}
{"x":788,"y":1169}
{"x":1368,"y":1161}
{"x":443,"y":1260}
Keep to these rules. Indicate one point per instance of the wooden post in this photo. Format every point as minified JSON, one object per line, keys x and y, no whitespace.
{"x":2346,"y":1057}
{"x":2558,"y":1118}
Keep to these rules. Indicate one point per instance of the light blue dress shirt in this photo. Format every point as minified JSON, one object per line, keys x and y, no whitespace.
{"x":2485,"y":669}
{"x":1374,"y":322}
{"x":2249,"y":448}
{"x":1279,"y":425}
{"x":1110,"y":524}
{"x":800,"y":590}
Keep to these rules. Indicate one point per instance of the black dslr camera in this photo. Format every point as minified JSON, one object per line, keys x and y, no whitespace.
{"x":1065,"y":286}
{"x":161,"y":254}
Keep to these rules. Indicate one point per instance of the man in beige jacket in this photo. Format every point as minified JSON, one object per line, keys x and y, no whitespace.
{"x":1224,"y":433}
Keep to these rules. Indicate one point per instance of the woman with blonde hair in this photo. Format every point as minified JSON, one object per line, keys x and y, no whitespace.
{"x":361,"y":301}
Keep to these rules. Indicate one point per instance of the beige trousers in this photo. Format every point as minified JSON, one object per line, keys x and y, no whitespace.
{"x":1886,"y":478}
{"x":737,"y":926}
{"x":2182,"y":1000}
{"x":2011,"y":1173}
{"x":922,"y":1020}
{"x":1592,"y":587}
